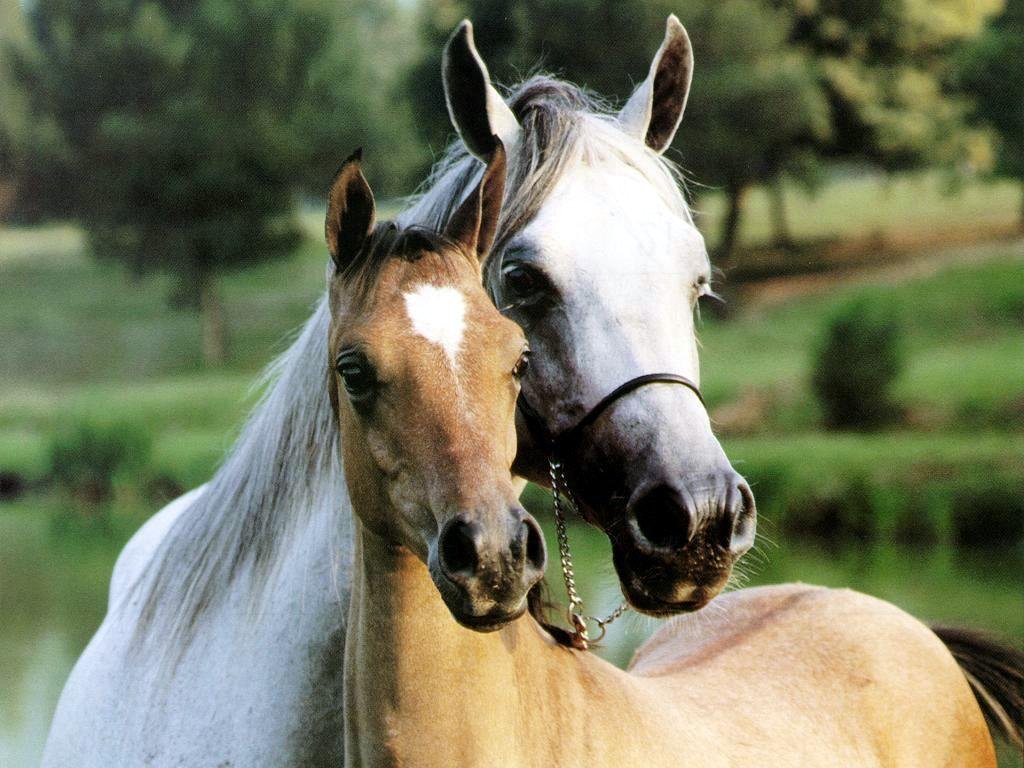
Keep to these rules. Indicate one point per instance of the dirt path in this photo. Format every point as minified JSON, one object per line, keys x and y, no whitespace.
{"x":895,"y":267}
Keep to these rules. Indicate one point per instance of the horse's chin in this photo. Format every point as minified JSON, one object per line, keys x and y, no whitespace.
{"x":497,"y":614}
{"x":660,"y":589}
{"x":642,"y":601}
{"x":490,"y":622}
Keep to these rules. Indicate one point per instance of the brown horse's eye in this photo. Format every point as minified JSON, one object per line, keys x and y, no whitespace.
{"x":521,"y":364}
{"x":357,"y":374}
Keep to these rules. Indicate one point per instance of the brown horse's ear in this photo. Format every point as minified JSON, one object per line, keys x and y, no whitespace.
{"x":654,"y":110}
{"x":350,"y":212}
{"x":475,"y":223}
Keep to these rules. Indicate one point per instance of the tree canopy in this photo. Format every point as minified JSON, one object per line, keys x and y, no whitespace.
{"x":885,"y":66}
{"x":991,"y":70}
{"x":180,"y":133}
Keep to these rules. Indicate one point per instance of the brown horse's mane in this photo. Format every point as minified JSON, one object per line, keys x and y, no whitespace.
{"x":541,"y":606}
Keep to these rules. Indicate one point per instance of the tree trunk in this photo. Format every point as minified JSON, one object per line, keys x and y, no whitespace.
{"x":1021,"y":222}
{"x":211,"y":318}
{"x":781,"y":235}
{"x":731,"y":226}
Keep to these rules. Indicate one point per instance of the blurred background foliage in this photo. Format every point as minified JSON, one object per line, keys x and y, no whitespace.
{"x":856,"y":167}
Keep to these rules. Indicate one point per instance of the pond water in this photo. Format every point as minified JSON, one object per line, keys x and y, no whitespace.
{"x":53,"y":596}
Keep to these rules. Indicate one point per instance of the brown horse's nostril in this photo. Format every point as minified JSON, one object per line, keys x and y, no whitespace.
{"x":458,"y":549}
{"x":662,"y":519}
{"x":488,"y":565}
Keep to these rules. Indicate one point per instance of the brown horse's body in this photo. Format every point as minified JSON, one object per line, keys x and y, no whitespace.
{"x":424,"y":387}
{"x":779,"y":676}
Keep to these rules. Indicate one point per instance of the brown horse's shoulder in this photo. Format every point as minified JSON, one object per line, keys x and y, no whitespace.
{"x":805,"y":629}
{"x":828,"y":656}
{"x":730,"y":622}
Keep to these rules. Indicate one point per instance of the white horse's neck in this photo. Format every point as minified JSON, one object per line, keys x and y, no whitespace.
{"x":422,"y":691}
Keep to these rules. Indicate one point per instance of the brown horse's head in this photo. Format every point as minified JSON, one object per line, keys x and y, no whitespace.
{"x":424,"y":379}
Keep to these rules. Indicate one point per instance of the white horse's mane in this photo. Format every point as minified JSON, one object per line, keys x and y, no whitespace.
{"x":285,"y":464}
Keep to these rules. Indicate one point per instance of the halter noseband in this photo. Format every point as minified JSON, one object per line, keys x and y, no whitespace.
{"x":554,"y":444}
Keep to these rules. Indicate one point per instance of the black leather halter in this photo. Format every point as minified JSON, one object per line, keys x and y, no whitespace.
{"x":556,"y":443}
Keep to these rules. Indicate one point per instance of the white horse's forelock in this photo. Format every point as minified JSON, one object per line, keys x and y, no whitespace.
{"x":285,"y":465}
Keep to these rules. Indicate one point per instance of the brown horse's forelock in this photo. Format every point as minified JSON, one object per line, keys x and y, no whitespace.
{"x":389,"y":241}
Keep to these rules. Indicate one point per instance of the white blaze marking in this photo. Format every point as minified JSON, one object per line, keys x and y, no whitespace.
{"x":439,"y":316}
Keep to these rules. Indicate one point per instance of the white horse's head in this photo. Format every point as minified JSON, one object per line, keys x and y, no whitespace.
{"x":599,"y":261}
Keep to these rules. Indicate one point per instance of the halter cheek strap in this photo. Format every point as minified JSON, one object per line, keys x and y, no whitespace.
{"x":554,"y":446}
{"x":554,"y":443}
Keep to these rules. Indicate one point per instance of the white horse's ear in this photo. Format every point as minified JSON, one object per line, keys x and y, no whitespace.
{"x":350,"y":212}
{"x":476,"y":108}
{"x":654,"y":110}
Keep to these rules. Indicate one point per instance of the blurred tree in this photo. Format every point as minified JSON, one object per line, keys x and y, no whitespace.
{"x":991,"y":70}
{"x":755,"y":106}
{"x":885,"y":67}
{"x":179,"y":133}
{"x":356,"y":96}
{"x":13,"y":117}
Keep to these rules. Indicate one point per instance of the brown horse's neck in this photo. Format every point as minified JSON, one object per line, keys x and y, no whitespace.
{"x":420,"y":690}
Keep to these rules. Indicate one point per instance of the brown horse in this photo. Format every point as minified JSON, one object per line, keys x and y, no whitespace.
{"x":424,"y":387}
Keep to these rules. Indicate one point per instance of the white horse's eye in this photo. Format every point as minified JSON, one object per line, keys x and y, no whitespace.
{"x":702,"y":287}
{"x":520,"y":281}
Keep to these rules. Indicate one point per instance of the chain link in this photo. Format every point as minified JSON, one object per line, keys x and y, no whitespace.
{"x":574,"y":612}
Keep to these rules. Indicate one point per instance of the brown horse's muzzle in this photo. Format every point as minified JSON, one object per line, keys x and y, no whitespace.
{"x":485,"y":567}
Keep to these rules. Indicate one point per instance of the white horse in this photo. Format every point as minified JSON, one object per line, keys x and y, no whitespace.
{"x":224,"y":636}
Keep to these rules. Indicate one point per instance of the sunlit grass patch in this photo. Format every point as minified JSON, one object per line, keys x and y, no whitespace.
{"x":52,"y":244}
{"x":861,"y":204}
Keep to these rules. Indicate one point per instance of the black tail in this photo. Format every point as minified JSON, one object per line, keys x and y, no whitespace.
{"x":996,"y":674}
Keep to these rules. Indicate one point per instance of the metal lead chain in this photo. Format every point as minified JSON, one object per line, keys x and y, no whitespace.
{"x":578,"y":620}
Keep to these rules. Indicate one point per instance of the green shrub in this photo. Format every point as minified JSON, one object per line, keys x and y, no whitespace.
{"x":840,"y":512}
{"x":88,"y":456}
{"x":988,"y":516}
{"x":855,"y":368}
{"x":923,"y":519}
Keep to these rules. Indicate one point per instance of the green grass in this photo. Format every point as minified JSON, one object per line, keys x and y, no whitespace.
{"x":68,"y":320}
{"x":960,"y":329}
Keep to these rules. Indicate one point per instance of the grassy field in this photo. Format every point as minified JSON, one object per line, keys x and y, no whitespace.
{"x":85,"y":340}
{"x":858,"y":205}
{"x":959,"y":329}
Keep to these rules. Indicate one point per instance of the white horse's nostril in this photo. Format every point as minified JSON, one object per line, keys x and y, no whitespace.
{"x":662,"y":518}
